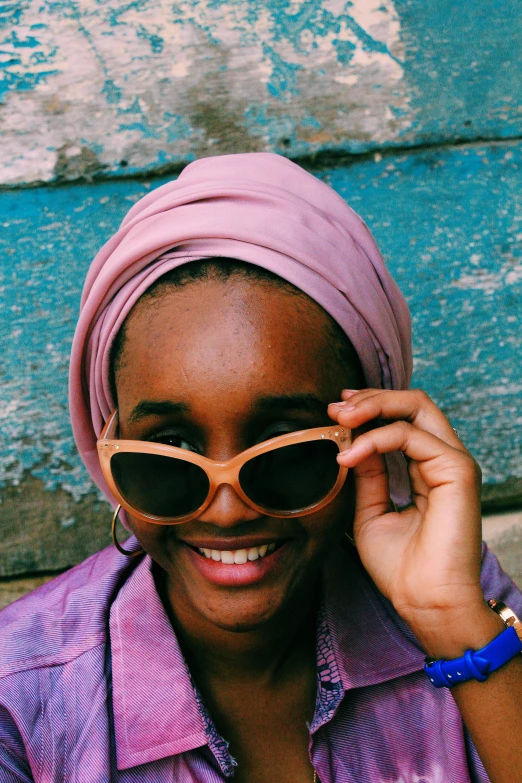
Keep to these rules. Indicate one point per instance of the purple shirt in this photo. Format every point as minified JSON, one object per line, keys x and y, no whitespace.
{"x":94,"y":687}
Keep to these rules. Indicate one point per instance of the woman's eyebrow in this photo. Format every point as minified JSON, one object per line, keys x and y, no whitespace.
{"x":275,"y":403}
{"x":156,"y":408}
{"x":269,"y":404}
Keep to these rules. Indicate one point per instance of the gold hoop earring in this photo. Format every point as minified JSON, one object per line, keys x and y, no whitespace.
{"x":116,"y":542}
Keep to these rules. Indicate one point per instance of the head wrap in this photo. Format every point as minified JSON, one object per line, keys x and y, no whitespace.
{"x":257,"y":207}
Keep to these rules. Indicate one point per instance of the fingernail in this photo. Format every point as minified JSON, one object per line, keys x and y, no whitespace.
{"x":344,"y":406}
{"x":342,"y":453}
{"x":350,"y":391}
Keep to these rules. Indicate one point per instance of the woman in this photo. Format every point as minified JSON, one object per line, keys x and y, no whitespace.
{"x":239,"y":385}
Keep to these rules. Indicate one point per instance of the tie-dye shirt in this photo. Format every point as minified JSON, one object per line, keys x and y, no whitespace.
{"x":94,"y":686}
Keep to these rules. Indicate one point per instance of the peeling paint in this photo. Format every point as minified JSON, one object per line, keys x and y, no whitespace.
{"x":107,"y":78}
{"x":75,"y":162}
{"x":119,"y":81}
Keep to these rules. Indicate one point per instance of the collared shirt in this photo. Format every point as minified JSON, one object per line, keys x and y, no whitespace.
{"x":94,"y":686}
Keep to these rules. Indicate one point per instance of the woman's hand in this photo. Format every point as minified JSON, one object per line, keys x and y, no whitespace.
{"x":425,"y":558}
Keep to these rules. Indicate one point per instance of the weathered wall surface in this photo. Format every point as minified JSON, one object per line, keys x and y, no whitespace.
{"x":91,"y":88}
{"x":412,"y":112}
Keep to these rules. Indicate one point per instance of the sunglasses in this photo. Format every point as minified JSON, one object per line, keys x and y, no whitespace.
{"x":287,"y":476}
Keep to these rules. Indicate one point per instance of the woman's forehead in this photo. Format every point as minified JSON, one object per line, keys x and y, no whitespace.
{"x":237,"y":310}
{"x":238,"y":334}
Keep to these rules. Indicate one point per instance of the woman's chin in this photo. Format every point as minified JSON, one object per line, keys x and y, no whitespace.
{"x":241,"y":614}
{"x":240,"y":608}
{"x":237,"y":597}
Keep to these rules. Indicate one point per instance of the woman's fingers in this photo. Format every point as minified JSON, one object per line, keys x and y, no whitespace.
{"x":445,"y":522}
{"x":372,"y":496}
{"x":433,"y":455}
{"x":451,"y":476}
{"x":414,"y":406}
{"x":445,"y":478}
{"x":419,"y":556}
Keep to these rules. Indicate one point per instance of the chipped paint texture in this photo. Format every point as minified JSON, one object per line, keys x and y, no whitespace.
{"x":90,"y":88}
{"x":94,"y":87}
{"x":449,"y":223}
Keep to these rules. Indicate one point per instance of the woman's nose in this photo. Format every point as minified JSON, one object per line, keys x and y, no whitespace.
{"x":227,"y":509}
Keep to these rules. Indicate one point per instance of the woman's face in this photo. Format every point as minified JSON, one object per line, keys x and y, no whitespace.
{"x":233,"y":363}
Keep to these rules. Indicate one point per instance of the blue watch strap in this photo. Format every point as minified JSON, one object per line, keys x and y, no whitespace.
{"x":475,"y":665}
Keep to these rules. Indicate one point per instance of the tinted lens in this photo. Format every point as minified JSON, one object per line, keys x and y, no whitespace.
{"x":157,"y":485}
{"x":291,"y":477}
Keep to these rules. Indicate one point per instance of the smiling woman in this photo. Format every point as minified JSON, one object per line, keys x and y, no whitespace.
{"x":245,"y":365}
{"x":239,"y":390}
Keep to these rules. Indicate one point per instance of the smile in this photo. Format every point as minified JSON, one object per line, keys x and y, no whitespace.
{"x":237,"y":556}
{"x":244,"y":563}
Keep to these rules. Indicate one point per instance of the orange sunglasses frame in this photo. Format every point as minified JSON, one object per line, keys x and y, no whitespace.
{"x":217,"y":472}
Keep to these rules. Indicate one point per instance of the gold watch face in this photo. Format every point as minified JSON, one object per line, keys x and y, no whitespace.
{"x":507,"y":615}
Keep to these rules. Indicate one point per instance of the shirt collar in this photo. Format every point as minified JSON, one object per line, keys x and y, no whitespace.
{"x":158,"y":711}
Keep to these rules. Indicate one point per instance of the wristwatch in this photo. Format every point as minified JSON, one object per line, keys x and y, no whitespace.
{"x":507,"y":614}
{"x":480,"y":664}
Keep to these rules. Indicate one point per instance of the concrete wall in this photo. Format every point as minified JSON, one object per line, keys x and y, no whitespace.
{"x":411,"y":111}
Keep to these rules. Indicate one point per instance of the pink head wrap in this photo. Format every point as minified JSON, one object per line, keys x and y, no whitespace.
{"x":257,"y":207}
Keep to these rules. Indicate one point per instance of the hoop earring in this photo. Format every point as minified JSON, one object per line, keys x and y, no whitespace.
{"x":116,"y":542}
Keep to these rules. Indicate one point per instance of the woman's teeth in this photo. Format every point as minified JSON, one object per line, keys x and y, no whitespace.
{"x":237,"y":556}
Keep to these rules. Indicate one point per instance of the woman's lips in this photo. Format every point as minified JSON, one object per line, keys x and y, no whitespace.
{"x":238,"y":574}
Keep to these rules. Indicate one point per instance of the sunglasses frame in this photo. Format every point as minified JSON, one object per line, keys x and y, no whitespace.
{"x":217,"y":472}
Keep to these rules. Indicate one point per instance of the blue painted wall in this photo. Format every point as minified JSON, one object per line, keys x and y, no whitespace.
{"x":152,"y":84}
